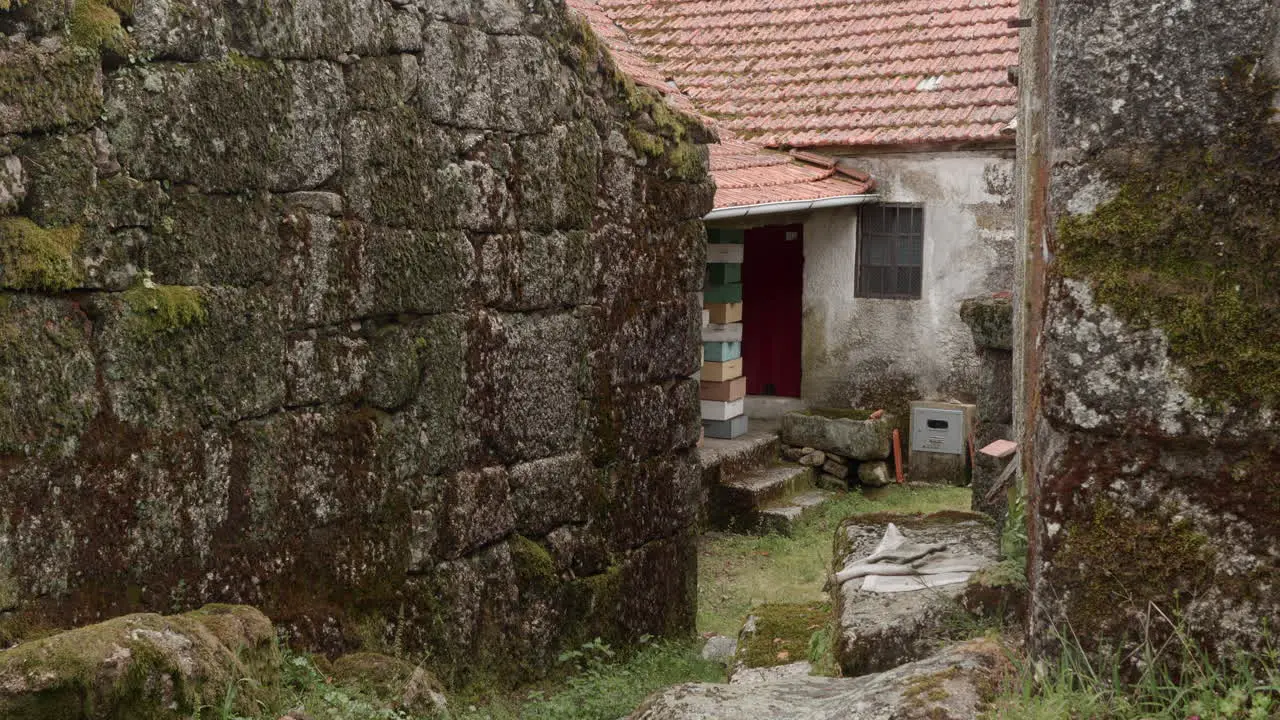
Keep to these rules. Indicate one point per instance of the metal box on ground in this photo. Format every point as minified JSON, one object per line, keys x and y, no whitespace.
{"x":939,"y":442}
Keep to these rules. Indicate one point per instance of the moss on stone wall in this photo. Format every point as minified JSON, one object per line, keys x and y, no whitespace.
{"x":1126,"y":561}
{"x":36,"y":258}
{"x":159,"y":309}
{"x":1190,"y":244}
{"x":96,"y":25}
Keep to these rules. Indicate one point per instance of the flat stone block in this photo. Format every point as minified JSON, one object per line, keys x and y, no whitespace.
{"x":723,"y":313}
{"x":846,"y":436}
{"x":731,"y":293}
{"x":725,"y":429}
{"x":879,"y":631}
{"x":716,"y":410}
{"x":727,"y":391}
{"x":721,"y":371}
{"x":731,"y":332}
{"x":721,"y":351}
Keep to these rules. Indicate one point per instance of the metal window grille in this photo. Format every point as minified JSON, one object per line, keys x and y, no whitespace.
{"x":890,"y":251}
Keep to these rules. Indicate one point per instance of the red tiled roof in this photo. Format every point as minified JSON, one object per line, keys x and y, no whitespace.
{"x":807,"y":73}
{"x":745,"y":173}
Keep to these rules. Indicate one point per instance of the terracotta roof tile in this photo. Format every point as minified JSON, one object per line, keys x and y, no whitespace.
{"x":745,"y":173}
{"x":834,"y":72}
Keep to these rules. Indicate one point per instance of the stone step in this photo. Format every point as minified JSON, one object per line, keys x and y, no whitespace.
{"x":781,"y":516}
{"x":736,"y":503}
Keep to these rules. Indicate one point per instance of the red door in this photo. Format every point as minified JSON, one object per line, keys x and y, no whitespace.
{"x":772,"y":302}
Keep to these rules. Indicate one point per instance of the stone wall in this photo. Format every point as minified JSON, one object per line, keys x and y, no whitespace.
{"x":1152,"y":317}
{"x":377,"y":315}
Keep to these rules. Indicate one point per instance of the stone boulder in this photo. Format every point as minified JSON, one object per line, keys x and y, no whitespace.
{"x":990,"y":319}
{"x":952,"y":684}
{"x":398,"y":683}
{"x":877,"y":631}
{"x":143,"y":666}
{"x":844,"y":432}
{"x":874,"y":474}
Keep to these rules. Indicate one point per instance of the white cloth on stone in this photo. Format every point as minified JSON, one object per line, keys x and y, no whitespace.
{"x":917,"y":567}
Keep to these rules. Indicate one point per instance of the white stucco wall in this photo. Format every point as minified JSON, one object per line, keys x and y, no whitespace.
{"x":865,"y":352}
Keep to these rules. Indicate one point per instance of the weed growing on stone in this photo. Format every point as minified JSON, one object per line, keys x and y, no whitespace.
{"x":737,"y":572}
{"x":1170,"y":679}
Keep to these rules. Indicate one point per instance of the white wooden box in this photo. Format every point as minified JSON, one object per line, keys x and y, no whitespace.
{"x":722,"y":333}
{"x":724,"y":253}
{"x":713,"y":410}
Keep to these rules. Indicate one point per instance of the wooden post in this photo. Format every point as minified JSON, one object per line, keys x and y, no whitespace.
{"x":897,"y":455}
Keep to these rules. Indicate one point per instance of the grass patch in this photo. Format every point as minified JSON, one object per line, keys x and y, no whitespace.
{"x":1173,"y":678}
{"x":738,"y":572}
{"x":784,"y":632}
{"x":603,"y":690}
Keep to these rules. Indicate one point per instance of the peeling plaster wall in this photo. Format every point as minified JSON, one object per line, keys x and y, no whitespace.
{"x":865,"y":352}
{"x":378,"y":315}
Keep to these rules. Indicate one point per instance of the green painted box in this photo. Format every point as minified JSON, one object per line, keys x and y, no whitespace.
{"x":724,"y":273}
{"x":714,"y":294}
{"x":721,"y":351}
{"x":725,"y":235}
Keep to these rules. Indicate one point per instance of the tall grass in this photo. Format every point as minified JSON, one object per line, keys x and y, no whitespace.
{"x":1169,"y":676}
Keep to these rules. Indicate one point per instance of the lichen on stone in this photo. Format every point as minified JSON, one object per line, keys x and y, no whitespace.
{"x":159,"y":309}
{"x":36,"y":258}
{"x":1190,"y":244}
{"x":1127,"y":560}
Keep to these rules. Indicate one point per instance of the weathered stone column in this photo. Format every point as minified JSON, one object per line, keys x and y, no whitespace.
{"x":1151,"y":316}
{"x":990,"y":319}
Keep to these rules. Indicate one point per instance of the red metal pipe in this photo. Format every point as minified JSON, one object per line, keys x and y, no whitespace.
{"x":897,"y":455}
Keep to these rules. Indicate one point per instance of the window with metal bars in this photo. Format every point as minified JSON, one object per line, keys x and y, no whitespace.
{"x":890,"y":251}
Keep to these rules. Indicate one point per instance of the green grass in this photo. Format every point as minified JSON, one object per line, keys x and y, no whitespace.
{"x":738,"y":572}
{"x":1168,"y":679}
{"x":603,"y":690}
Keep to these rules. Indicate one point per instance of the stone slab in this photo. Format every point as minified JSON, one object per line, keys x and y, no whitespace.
{"x":721,"y":371}
{"x":956,"y":676}
{"x":878,"y":631}
{"x":723,"y":313}
{"x":728,"y":391}
{"x":857,"y":439}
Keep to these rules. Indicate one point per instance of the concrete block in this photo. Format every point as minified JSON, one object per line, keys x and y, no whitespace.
{"x":727,"y":391}
{"x":731,"y":332}
{"x":721,"y":371}
{"x":725,"y":429}
{"x":715,"y":410}
{"x":724,"y":253}
{"x":723,"y":293}
{"x":724,"y":313}
{"x":721,"y":351}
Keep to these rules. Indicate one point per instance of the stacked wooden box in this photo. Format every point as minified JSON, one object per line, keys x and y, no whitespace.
{"x":723,"y":388}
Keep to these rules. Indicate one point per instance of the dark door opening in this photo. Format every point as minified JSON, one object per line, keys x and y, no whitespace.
{"x":772,"y":304}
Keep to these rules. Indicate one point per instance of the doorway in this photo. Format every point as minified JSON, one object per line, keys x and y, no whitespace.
{"x":772,"y":305}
